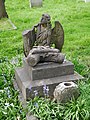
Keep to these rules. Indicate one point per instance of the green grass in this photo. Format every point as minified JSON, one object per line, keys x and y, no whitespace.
{"x":74,"y":16}
{"x":4,"y":24}
{"x":44,"y":109}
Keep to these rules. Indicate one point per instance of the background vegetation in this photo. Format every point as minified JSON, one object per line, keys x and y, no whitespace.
{"x":74,"y":16}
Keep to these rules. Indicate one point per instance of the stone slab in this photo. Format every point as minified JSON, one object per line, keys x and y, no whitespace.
{"x":28,"y":87}
{"x":48,"y":70}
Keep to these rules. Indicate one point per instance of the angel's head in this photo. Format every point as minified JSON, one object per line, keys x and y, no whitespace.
{"x":45,"y":19}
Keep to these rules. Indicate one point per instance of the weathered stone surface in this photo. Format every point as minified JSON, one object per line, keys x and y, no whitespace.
{"x":43,"y":34}
{"x":29,"y":87}
{"x":48,"y":70}
{"x":42,"y":50}
{"x":40,"y":54}
{"x":65,"y":91}
{"x":35,"y":3}
{"x":57,"y":36}
{"x":28,"y":40}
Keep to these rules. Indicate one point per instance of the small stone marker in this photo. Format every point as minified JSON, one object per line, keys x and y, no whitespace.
{"x":35,"y":3}
{"x":87,"y":0}
{"x":65,"y":91}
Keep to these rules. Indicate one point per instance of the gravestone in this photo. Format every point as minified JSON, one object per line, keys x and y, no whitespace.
{"x":44,"y":67}
{"x":35,"y":3}
{"x":87,"y":0}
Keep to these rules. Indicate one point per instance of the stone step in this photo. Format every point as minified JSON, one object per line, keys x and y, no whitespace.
{"x":48,"y":70}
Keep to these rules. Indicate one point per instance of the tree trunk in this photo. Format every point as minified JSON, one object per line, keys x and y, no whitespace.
{"x":3,"y":12}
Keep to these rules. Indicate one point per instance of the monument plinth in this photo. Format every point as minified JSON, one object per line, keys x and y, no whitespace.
{"x":48,"y":70}
{"x":31,"y":79}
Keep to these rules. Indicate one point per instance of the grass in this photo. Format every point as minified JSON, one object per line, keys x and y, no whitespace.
{"x":75,"y":18}
{"x":6,"y":24}
{"x":44,"y":109}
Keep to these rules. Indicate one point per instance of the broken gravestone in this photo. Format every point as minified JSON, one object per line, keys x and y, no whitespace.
{"x":66,"y":91}
{"x":44,"y":67}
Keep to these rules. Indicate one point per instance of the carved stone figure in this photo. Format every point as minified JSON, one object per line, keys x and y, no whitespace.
{"x":43,"y":34}
{"x":38,"y":41}
{"x":44,"y":54}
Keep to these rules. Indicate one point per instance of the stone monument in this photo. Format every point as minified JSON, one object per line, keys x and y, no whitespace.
{"x":44,"y":67}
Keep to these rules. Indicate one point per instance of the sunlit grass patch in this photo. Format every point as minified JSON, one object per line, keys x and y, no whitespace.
{"x":6,"y":24}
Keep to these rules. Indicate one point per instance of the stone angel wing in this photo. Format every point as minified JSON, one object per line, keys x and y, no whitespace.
{"x":29,"y":37}
{"x":57,"y":36}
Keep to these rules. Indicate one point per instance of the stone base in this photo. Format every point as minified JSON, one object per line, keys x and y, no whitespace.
{"x":29,"y":87}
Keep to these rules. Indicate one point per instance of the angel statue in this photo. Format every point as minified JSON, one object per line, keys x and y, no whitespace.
{"x":38,"y":42}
